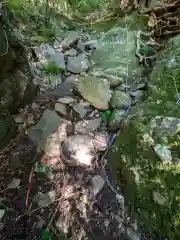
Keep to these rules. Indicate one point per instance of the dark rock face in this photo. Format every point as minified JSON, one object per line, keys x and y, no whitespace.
{"x":16,"y":86}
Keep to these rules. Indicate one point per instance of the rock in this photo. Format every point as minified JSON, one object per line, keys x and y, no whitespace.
{"x":134,"y":155}
{"x":96,"y":184}
{"x":77,"y":64}
{"x":62,"y":90}
{"x":133,"y":235}
{"x":16,"y":86}
{"x":49,"y":132}
{"x":67,"y":100}
{"x":138,"y":95}
{"x":116,"y":119}
{"x":165,"y":126}
{"x":141,"y":86}
{"x":46,"y":50}
{"x":24,"y":88}
{"x":101,"y":141}
{"x":91,"y":44}
{"x":123,"y":87}
{"x":120,"y":100}
{"x":78,"y":150}
{"x":80,"y":109}
{"x":113,"y":80}
{"x":87,"y":126}
{"x":58,"y":59}
{"x":71,"y":52}
{"x":80,"y":45}
{"x":72,"y":78}
{"x":95,"y":90}
{"x":61,"y":108}
{"x":70,"y":39}
{"x":163,"y":153}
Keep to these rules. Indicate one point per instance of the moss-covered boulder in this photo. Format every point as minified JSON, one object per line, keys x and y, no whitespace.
{"x":146,"y":155}
{"x":117,"y":47}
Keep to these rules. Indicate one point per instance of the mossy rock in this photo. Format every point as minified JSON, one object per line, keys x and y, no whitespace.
{"x":151,"y":184}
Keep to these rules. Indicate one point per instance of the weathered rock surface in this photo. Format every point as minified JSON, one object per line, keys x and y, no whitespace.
{"x":16,"y":87}
{"x":77,"y":64}
{"x":49,"y":132}
{"x":120,"y":100}
{"x":95,"y":90}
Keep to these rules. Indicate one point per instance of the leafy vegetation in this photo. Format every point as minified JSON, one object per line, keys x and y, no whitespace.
{"x":51,"y":68}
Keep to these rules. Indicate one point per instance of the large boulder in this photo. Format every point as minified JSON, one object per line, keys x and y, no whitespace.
{"x":115,"y":54}
{"x":147,"y":151}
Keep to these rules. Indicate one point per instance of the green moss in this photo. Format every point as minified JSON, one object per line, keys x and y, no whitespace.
{"x":140,"y":171}
{"x":51,"y":68}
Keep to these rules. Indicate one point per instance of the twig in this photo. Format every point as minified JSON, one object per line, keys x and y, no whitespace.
{"x":37,"y":209}
{"x":53,"y":216}
{"x":29,"y":188}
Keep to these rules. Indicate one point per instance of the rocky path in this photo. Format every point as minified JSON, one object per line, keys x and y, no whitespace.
{"x":57,"y":177}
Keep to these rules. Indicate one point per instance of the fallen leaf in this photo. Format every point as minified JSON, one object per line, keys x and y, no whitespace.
{"x":14,"y":183}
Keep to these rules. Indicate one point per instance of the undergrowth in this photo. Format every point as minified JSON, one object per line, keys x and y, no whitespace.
{"x":89,"y":5}
{"x":33,"y":19}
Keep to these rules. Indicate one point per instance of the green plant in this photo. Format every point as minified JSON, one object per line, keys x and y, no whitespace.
{"x":41,"y":168}
{"x":51,"y":68}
